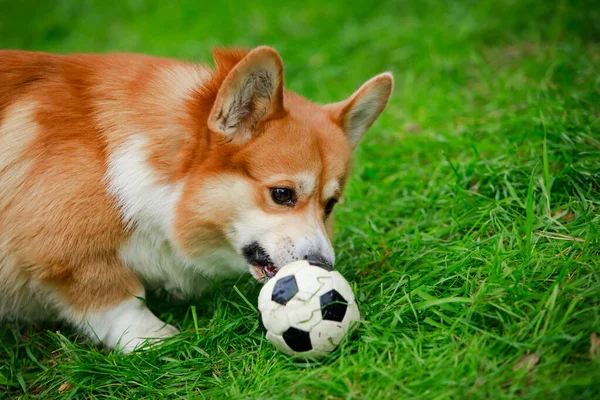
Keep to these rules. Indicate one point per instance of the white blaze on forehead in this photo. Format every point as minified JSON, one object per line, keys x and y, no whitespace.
{"x":331,"y":189}
{"x":306,"y":183}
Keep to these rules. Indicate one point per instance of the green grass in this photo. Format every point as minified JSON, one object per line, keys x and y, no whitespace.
{"x":470,"y":228}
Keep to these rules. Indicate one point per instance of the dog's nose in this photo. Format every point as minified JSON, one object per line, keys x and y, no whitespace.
{"x":256,"y":255}
{"x":319,"y":260}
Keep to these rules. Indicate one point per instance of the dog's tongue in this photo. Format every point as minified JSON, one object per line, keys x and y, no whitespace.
{"x":263,"y":273}
{"x":269,"y":271}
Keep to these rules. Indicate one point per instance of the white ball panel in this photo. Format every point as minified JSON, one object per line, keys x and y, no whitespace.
{"x":275,"y":318}
{"x":312,"y":282}
{"x":352,"y":315}
{"x":312,"y":355}
{"x":304,"y":315}
{"x":326,"y":335}
{"x":342,"y":286}
{"x":264,"y":297}
{"x":291,"y":269}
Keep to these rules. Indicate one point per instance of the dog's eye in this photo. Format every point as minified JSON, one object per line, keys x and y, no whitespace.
{"x":283,"y":196}
{"x":329,"y":206}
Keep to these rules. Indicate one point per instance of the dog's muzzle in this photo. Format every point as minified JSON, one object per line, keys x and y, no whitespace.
{"x":264,"y":268}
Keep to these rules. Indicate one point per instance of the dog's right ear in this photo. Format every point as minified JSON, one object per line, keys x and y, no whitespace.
{"x":252,"y":92}
{"x":356,"y":114}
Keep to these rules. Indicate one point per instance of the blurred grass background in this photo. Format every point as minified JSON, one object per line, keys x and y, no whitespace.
{"x":470,"y":227}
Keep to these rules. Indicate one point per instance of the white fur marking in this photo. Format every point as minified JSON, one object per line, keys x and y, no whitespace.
{"x":284,"y":237}
{"x":331,"y":189}
{"x":144,"y":201}
{"x":125,"y":326}
{"x":148,"y":206}
{"x":306,"y":183}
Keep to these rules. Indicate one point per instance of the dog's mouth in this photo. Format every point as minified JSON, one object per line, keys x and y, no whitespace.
{"x":261,"y":266}
{"x":263,"y":272}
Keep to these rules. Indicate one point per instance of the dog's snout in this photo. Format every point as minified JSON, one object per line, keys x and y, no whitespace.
{"x":256,"y":255}
{"x":319,"y":260}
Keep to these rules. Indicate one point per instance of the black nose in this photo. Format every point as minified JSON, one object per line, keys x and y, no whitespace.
{"x":318,"y":260}
{"x":256,"y":255}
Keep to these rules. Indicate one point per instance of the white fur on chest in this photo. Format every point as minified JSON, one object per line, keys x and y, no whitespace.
{"x":148,"y":207}
{"x":159,"y":264}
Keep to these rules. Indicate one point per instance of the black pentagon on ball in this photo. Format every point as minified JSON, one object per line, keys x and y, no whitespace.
{"x":333,"y":306}
{"x":297,"y":339}
{"x":284,"y":290}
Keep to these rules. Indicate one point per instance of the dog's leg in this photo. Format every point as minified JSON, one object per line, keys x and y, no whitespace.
{"x":103,"y":301}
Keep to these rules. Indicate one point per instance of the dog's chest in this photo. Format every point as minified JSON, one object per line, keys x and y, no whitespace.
{"x":159,"y":264}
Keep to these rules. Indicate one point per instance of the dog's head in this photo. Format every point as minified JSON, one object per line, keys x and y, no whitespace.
{"x":270,"y":184}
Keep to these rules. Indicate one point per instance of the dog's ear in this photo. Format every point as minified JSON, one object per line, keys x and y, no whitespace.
{"x":356,"y":114}
{"x":252,"y":92}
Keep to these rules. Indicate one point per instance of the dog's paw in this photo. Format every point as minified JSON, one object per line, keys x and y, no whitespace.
{"x":164,"y":331}
{"x":151,"y":338}
{"x":126,"y":326}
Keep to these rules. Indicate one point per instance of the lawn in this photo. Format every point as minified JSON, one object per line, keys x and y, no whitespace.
{"x":470,"y":228}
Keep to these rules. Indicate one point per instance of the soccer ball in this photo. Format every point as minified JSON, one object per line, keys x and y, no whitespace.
{"x":307,"y":310}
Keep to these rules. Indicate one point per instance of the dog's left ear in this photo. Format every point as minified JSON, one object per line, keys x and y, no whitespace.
{"x":356,"y":114}
{"x":252,"y":92}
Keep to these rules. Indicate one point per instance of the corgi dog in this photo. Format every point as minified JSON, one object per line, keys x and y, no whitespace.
{"x":122,"y":172}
